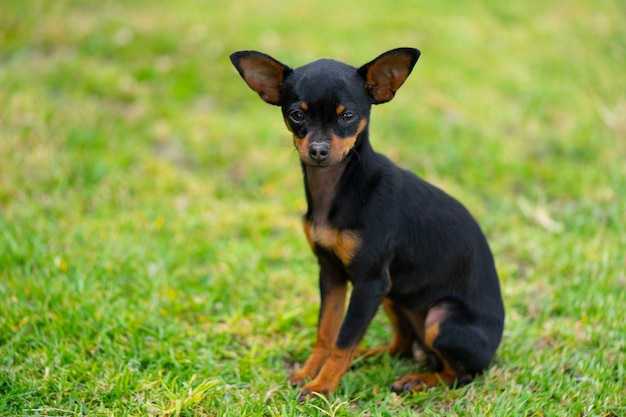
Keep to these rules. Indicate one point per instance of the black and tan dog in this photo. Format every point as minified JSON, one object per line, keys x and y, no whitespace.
{"x":399,"y":240}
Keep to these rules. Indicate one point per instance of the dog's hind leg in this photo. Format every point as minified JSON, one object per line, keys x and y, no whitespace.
{"x":403,"y":337}
{"x":458,"y":345}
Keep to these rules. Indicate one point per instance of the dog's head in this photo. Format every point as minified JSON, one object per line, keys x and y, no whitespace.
{"x":326,"y":104}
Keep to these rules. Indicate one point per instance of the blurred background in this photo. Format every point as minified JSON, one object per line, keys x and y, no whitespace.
{"x":151,"y":257}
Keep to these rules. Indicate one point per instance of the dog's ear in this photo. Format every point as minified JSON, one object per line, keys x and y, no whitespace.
{"x":262,"y":73}
{"x":385,"y":74}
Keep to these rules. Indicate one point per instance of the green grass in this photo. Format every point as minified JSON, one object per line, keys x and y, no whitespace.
{"x":151,"y":255}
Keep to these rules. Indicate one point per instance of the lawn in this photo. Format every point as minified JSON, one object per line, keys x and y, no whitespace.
{"x":152,"y":261}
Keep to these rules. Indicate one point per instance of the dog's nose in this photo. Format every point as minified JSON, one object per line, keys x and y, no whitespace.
{"x":319,"y":151}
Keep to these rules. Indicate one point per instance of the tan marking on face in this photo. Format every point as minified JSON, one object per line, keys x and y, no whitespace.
{"x":340,"y":109}
{"x":341,"y":146}
{"x":302,"y":145}
{"x":344,"y":243}
{"x":304,"y":106}
{"x":288,"y":125}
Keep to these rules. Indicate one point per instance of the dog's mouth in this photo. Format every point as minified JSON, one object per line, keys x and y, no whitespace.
{"x":318,"y":164}
{"x":326,"y":163}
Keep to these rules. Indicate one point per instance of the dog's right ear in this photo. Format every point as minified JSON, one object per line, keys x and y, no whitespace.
{"x":262,"y":73}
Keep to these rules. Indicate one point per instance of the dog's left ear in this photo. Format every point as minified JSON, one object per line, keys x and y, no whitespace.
{"x":385,"y":74}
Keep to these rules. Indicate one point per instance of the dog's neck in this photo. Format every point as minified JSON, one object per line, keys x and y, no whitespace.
{"x":321,"y":185}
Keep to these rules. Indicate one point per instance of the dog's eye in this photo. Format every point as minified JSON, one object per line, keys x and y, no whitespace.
{"x":297,"y":116}
{"x":347,"y":116}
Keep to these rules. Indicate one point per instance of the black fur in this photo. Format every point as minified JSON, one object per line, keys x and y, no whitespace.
{"x":417,"y":246}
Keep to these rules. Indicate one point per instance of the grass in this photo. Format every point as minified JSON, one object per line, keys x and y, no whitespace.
{"x":151,"y":257}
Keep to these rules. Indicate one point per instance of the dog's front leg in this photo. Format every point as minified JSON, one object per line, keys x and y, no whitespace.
{"x":333,"y":296}
{"x":365,"y":298}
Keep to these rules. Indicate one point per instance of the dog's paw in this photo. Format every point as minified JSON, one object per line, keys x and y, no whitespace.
{"x":299,"y":378}
{"x":311,"y":390}
{"x":415,"y":382}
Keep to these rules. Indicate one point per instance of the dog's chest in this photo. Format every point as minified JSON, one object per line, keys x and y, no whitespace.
{"x":322,"y":189}
{"x":343,"y":243}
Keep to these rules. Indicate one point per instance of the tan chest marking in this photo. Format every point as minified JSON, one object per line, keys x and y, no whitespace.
{"x":343,"y":243}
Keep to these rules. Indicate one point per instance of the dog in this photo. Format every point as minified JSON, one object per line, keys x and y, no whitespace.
{"x":400,"y":241}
